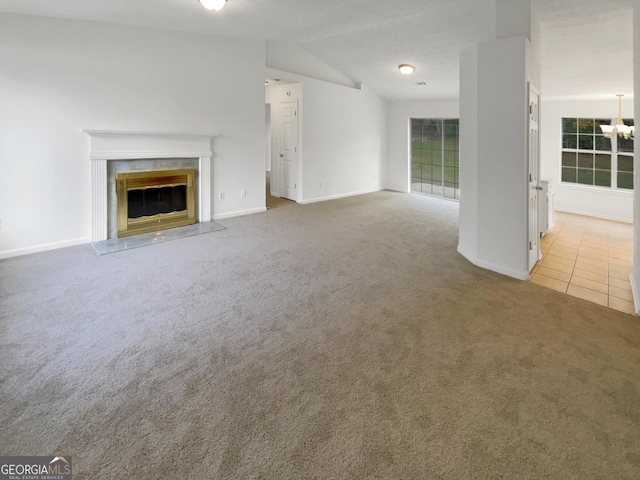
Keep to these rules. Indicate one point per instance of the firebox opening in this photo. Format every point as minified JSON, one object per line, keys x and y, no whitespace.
{"x":152,"y":201}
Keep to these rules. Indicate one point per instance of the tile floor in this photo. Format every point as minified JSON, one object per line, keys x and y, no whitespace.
{"x":589,"y":258}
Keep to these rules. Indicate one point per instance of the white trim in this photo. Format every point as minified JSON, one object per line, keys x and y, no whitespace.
{"x":581,"y":98}
{"x":595,"y":215}
{"x":494,"y":268}
{"x":636,"y":294}
{"x":397,"y":190}
{"x":239,"y":213}
{"x":44,"y":247}
{"x":118,"y":155}
{"x":99,"y":208}
{"x":204,"y":188}
{"x":620,"y":192}
{"x":91,"y":132}
{"x":342,"y":195}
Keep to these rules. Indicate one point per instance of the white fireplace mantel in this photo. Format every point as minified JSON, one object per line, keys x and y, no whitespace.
{"x":114,"y":145}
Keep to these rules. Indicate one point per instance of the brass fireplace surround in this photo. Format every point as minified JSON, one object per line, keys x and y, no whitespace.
{"x":130,"y":181}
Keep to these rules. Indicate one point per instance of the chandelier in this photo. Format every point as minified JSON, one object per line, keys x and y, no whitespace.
{"x":620,"y":128}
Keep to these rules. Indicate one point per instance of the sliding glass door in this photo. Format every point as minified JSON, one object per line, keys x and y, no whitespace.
{"x":435,"y":157}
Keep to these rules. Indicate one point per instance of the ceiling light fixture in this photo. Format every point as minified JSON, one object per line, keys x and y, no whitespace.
{"x":406,"y":69}
{"x":620,"y":128}
{"x":213,"y":4}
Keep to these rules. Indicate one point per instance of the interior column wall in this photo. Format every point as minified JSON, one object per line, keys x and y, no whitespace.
{"x":493,"y":156}
{"x":635,"y":276}
{"x":469,"y":155}
{"x":494,"y":164}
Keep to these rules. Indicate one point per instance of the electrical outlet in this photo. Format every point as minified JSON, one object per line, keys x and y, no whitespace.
{"x":243,"y":192}
{"x":221,"y":195}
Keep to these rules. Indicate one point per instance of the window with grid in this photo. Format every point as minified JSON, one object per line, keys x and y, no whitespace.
{"x":590,"y":158}
{"x":435,"y":157}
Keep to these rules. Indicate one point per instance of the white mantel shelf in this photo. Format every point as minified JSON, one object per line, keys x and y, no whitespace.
{"x":121,"y":145}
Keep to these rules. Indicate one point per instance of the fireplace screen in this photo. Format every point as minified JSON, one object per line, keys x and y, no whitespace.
{"x":149,"y":201}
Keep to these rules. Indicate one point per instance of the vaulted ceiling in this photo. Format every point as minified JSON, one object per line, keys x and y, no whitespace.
{"x":586,"y":49}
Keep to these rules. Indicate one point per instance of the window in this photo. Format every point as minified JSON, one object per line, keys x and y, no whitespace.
{"x":590,"y":158}
{"x":435,"y":157}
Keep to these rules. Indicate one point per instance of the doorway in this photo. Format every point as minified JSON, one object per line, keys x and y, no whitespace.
{"x":284,"y":131}
{"x":282,"y":150}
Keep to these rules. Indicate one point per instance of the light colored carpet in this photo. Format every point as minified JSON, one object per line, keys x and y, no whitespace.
{"x":338,"y":340}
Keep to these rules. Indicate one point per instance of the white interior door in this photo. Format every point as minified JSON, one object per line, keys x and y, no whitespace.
{"x":534,"y":162}
{"x":289,"y":150}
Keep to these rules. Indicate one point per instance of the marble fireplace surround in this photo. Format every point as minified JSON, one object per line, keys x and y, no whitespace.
{"x":150,"y":147}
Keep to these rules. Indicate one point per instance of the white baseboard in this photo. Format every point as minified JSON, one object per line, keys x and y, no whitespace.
{"x":16,"y":252}
{"x":636,"y":294}
{"x":342,"y":195}
{"x":591,"y":214}
{"x":519,"y":275}
{"x":239,"y":213}
{"x":394,"y":189}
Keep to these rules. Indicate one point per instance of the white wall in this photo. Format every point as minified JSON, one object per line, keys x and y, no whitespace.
{"x":343,"y":137}
{"x":61,"y":76}
{"x":399,"y":114}
{"x":345,"y":141}
{"x":594,"y":201}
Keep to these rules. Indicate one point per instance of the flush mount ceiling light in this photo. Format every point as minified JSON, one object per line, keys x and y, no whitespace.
{"x":213,"y":4}
{"x":406,"y":69}
{"x":620,"y":128}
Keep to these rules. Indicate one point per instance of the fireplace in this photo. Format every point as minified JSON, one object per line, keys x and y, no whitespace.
{"x":114,"y":152}
{"x":148,"y":201}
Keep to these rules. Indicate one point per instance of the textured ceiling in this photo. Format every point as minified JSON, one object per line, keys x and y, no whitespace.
{"x":587,"y":50}
{"x":365,"y":40}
